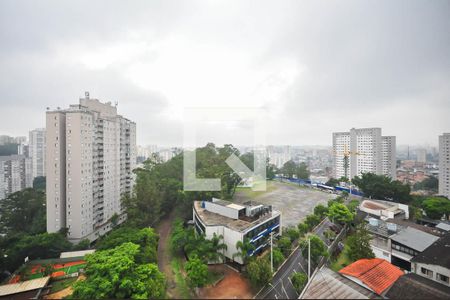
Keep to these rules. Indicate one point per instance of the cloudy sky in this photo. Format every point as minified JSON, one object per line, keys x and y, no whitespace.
{"x":314,"y":67}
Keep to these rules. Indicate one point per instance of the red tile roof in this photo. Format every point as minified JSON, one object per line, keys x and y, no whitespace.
{"x":378,"y":274}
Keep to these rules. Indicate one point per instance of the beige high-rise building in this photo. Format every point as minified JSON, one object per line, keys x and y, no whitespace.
{"x":15,"y":174}
{"x":36,"y":151}
{"x":364,"y":150}
{"x":91,"y":152}
{"x":444,"y":165}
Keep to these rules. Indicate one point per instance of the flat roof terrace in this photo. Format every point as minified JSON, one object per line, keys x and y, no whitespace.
{"x":213,"y":219}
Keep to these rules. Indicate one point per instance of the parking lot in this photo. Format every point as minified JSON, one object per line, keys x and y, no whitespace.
{"x":294,"y":202}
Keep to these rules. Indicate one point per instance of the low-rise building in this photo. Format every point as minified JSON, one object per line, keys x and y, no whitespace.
{"x":237,"y":222}
{"x":413,"y":286}
{"x":385,"y":209}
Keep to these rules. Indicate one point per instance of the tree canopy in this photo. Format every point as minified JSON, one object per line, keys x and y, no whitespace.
{"x":318,"y":247}
{"x":382,"y":187}
{"x":436,"y":207}
{"x":197,"y":271}
{"x":290,"y":168}
{"x":359,"y":244}
{"x":340,"y":213}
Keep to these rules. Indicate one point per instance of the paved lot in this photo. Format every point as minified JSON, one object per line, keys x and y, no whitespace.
{"x":294,"y":202}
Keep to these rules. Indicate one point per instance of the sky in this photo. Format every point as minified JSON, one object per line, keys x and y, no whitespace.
{"x":311,"y":67}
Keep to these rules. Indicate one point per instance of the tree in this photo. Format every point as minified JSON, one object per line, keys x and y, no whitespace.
{"x":312,"y":221}
{"x":259,"y":271}
{"x":289,"y":169}
{"x":197,"y":272}
{"x":115,"y":273}
{"x":292,"y":233}
{"x":278,"y":258}
{"x":340,"y":213}
{"x":146,"y":238}
{"x":217,"y":248}
{"x":23,"y":211}
{"x":359,"y":244}
{"x":299,"y":281}
{"x":320,"y":211}
{"x":82,"y":245}
{"x":318,"y":248}
{"x":352,"y":205}
{"x":430,"y":184}
{"x":382,"y":187}
{"x":244,"y":248}
{"x":285,"y":245}
{"x":301,"y":171}
{"x":332,"y":182}
{"x":303,"y":228}
{"x":271,"y":170}
{"x":436,"y":207}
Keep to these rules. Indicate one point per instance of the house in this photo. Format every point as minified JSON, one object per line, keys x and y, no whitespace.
{"x":384,"y":209}
{"x":327,"y":284}
{"x":235,"y":222}
{"x":29,"y":289}
{"x":374,"y":274}
{"x":434,"y":262}
{"x":413,"y":286}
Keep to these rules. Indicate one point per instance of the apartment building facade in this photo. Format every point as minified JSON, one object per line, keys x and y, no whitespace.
{"x":444,"y":165}
{"x":363,"y":150}
{"x":36,"y":151}
{"x":15,"y":174}
{"x":91,"y":152}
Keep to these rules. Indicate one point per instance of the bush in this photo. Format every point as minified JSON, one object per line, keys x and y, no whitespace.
{"x":299,"y":281}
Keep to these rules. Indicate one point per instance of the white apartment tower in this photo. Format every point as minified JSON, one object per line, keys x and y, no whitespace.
{"x":363,"y":150}
{"x":91,"y":152}
{"x":15,"y":174}
{"x":37,"y":151}
{"x":444,"y":165}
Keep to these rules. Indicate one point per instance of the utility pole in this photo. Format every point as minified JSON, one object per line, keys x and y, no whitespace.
{"x":271,"y":252}
{"x":309,"y":258}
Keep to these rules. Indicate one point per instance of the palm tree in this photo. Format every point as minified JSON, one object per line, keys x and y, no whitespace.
{"x":244,"y":247}
{"x":217,"y":248}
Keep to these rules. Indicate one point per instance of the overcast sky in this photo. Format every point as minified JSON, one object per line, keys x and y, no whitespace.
{"x":314,"y":66}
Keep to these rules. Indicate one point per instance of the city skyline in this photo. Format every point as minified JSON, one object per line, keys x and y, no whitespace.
{"x":313,"y":75}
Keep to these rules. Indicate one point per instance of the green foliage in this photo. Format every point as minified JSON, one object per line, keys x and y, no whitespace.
{"x":299,"y":281}
{"x":39,"y":183}
{"x":23,"y":212}
{"x":332,"y":182}
{"x":352,"y":205}
{"x":278,"y":258}
{"x":285,"y":245}
{"x":312,"y":221}
{"x":259,"y":271}
{"x":302,"y":171}
{"x":82,"y":245}
{"x":340,"y":213}
{"x":146,"y":238}
{"x":436,"y":207}
{"x":382,"y":187}
{"x":115,"y":273}
{"x":290,"y":168}
{"x":430,"y":184}
{"x":320,"y":211}
{"x":178,"y":238}
{"x":197,"y":272}
{"x":359,"y":244}
{"x":292,"y":233}
{"x":303,"y":228}
{"x":244,"y":248}
{"x":318,"y":248}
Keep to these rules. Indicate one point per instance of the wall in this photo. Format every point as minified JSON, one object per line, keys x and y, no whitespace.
{"x":416,"y":268}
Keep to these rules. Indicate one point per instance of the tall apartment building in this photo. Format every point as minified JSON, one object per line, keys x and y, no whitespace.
{"x":444,"y":165}
{"x":363,"y":150}
{"x":15,"y":174}
{"x":36,"y":149}
{"x":91,"y":152}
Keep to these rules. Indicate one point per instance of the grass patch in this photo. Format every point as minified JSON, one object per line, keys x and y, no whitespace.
{"x":180,"y":280}
{"x":62,"y":284}
{"x":342,"y":260}
{"x":214,"y":277}
{"x":251,"y":194}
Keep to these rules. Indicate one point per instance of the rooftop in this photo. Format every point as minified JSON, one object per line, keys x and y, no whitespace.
{"x":241,"y":225}
{"x":413,"y":286}
{"x":414,"y":238}
{"x":71,"y":254}
{"x":327,"y":284}
{"x":376,"y":273}
{"x":433,"y":255}
{"x":24,"y":286}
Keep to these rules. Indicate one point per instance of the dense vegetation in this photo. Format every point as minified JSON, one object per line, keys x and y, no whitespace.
{"x":291,"y":168}
{"x":382,"y":187}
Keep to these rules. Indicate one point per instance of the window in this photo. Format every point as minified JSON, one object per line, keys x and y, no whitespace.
{"x":426,"y":272}
{"x":442,"y":278}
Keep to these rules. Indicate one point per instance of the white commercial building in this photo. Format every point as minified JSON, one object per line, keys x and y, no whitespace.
{"x":444,"y":165}
{"x":37,"y":151}
{"x":237,"y":222}
{"x":363,"y":150}
{"x":15,"y":174}
{"x":91,"y":152}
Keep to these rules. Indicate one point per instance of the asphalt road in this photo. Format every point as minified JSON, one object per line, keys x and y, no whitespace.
{"x":281,"y":286}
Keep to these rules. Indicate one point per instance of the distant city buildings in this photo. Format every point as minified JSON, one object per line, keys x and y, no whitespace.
{"x":362,"y":151}
{"x":91,"y":152}
{"x":15,"y":174}
{"x":444,"y":165}
{"x":36,"y":149}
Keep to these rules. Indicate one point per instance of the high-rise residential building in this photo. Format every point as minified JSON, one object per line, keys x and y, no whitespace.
{"x":444,"y":165}
{"x":91,"y":152}
{"x":421,"y":155}
{"x":15,"y":174}
{"x":363,"y":150}
{"x":36,"y":149}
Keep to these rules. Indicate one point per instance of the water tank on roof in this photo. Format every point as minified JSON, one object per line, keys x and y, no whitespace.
{"x":373,"y":222}
{"x":391,"y":227}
